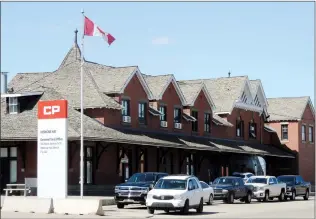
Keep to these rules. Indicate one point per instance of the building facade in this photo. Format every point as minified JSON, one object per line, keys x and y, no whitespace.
{"x":293,"y":119}
{"x":135,"y":122}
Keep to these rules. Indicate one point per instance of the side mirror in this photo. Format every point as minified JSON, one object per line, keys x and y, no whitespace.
{"x":271,"y":183}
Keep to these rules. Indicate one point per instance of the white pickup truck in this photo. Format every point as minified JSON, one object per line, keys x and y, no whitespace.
{"x":266,"y":188}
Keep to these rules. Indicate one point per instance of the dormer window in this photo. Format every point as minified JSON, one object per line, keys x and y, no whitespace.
{"x":252,"y":130}
{"x":239,"y":128}
{"x":13,"y":105}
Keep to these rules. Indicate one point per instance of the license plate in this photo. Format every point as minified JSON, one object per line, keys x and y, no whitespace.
{"x":129,"y":200}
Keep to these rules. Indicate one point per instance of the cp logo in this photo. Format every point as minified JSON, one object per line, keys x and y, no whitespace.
{"x":51,"y":110}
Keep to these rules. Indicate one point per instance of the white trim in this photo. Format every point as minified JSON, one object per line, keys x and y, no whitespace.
{"x":263,"y":93}
{"x":208,"y":97}
{"x":177,"y":88}
{"x":284,"y":123}
{"x":219,"y":113}
{"x":142,"y":81}
{"x":242,"y":105}
{"x":22,"y":94}
{"x":309,"y":103}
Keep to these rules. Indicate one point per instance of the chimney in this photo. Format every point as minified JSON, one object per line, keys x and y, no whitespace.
{"x":5,"y":81}
{"x":229,"y":74}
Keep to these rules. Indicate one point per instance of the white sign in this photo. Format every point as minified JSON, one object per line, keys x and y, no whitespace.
{"x":52,"y":149}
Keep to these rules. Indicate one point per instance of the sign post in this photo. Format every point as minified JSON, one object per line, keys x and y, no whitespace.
{"x":52,"y":149}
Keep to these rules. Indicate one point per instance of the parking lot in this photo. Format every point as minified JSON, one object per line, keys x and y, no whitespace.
{"x":272,"y":209}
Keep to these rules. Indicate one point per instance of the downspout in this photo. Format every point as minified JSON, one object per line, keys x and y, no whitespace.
{"x":261,"y":128}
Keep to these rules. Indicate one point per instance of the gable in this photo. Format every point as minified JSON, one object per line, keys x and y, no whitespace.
{"x":201,"y":101}
{"x":177,"y":89}
{"x":308,"y":113}
{"x":246,"y":96}
{"x":135,"y":88}
{"x":142,"y":82}
{"x":171,"y":94}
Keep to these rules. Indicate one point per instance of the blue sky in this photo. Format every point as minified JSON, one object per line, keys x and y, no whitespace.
{"x":270,"y":41}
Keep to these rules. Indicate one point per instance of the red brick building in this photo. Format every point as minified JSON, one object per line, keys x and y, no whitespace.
{"x":293,"y":119}
{"x":138,"y":122}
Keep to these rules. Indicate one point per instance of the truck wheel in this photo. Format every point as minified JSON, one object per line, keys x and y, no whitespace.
{"x":306,"y":196}
{"x":282,"y":196}
{"x":266,"y":196}
{"x":150,"y":211}
{"x":248,"y":198}
{"x":231,"y":198}
{"x":200,"y":208}
{"x":210,"y":200}
{"x":185,"y":209}
{"x":293,"y":195}
{"x":120,"y":205}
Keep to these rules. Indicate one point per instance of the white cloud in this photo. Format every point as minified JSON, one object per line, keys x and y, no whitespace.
{"x":161,"y":41}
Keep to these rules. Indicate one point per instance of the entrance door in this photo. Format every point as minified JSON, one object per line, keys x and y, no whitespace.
{"x":5,"y":172}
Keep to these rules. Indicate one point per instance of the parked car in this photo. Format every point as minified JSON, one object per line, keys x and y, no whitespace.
{"x":208,"y":193}
{"x":229,"y":188}
{"x":244,"y":176}
{"x":267,"y":188}
{"x":176,"y":192}
{"x":135,"y":189}
{"x":295,"y":186}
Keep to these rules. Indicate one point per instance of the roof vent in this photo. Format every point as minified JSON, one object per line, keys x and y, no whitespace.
{"x":229,"y":74}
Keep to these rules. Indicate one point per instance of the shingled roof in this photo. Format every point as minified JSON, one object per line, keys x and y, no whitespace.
{"x":157,"y":84}
{"x":254,"y":85}
{"x":225,"y":91}
{"x":287,"y":108}
{"x":66,"y":79}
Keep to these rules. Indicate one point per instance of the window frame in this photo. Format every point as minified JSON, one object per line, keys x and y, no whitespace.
{"x":195,"y":124}
{"x":303,"y":133}
{"x":283,"y":126}
{"x":142,"y":112}
{"x":254,"y":125}
{"x":164,"y":112}
{"x":127,"y":108}
{"x":207,"y":122}
{"x":240,"y":125}
{"x":177,"y":109}
{"x":311,"y":134}
{"x":12,"y":103}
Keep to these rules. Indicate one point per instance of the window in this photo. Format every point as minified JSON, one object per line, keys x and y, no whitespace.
{"x":89,"y":165}
{"x":310,"y":134}
{"x":240,"y":129}
{"x":195,"y":126}
{"x":195,"y":184}
{"x":4,"y":152}
{"x":303,"y":133}
{"x":13,"y":105}
{"x":177,"y":115}
{"x":163,"y":110}
{"x":274,"y":180}
{"x":284,"y":132}
{"x":271,"y":181}
{"x":207,"y":122}
{"x":13,"y":171}
{"x":142,"y":113}
{"x":253,"y":130}
{"x":125,"y":109}
{"x":204,"y":185}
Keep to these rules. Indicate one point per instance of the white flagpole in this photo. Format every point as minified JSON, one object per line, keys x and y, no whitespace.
{"x":81,"y":111}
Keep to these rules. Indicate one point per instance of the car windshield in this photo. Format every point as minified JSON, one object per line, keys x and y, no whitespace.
{"x":286,"y":179}
{"x":141,"y":177}
{"x":257,"y":180}
{"x":239,"y":175}
{"x":171,"y":184}
{"x":224,"y":181}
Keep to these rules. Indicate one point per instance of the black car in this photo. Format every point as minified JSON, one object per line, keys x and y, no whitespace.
{"x":229,"y":188}
{"x":135,"y":189}
{"x":295,"y":186}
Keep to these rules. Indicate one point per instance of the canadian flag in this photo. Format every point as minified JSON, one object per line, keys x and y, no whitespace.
{"x":91,"y":29}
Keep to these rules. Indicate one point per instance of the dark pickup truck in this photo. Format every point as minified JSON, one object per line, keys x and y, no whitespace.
{"x":295,"y":186}
{"x":135,"y":189}
{"x":230,"y":188}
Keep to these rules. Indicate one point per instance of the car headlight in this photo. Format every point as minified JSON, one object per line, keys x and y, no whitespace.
{"x":116,"y":188}
{"x":225,"y":190}
{"x":260,"y":188}
{"x":145,"y":190}
{"x":149,"y":196}
{"x":178,"y":197}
